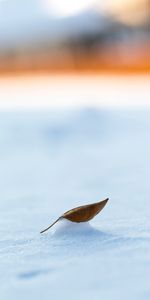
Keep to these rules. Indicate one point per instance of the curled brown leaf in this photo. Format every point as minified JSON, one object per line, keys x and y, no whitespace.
{"x":82,"y":213}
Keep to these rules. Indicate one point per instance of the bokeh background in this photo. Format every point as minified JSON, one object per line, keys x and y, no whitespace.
{"x":74,"y":129}
{"x":95,"y":35}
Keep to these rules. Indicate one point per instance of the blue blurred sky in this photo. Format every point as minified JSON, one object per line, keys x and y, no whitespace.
{"x":23,"y":20}
{"x":31,"y":20}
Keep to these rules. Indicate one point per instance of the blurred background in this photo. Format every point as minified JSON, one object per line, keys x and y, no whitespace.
{"x":83,"y":35}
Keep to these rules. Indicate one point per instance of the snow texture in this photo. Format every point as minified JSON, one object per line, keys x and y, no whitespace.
{"x":53,"y":161}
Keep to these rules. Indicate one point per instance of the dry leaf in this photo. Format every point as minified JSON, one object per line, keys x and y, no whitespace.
{"x":81,"y":213}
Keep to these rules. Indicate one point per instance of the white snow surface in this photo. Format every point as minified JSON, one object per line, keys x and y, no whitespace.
{"x":52,"y":161}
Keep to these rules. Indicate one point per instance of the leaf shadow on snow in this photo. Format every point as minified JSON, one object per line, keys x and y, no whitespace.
{"x":32,"y":274}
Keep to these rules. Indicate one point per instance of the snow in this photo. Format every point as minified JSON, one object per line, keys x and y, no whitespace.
{"x":52,"y":161}
{"x":65,"y":227}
